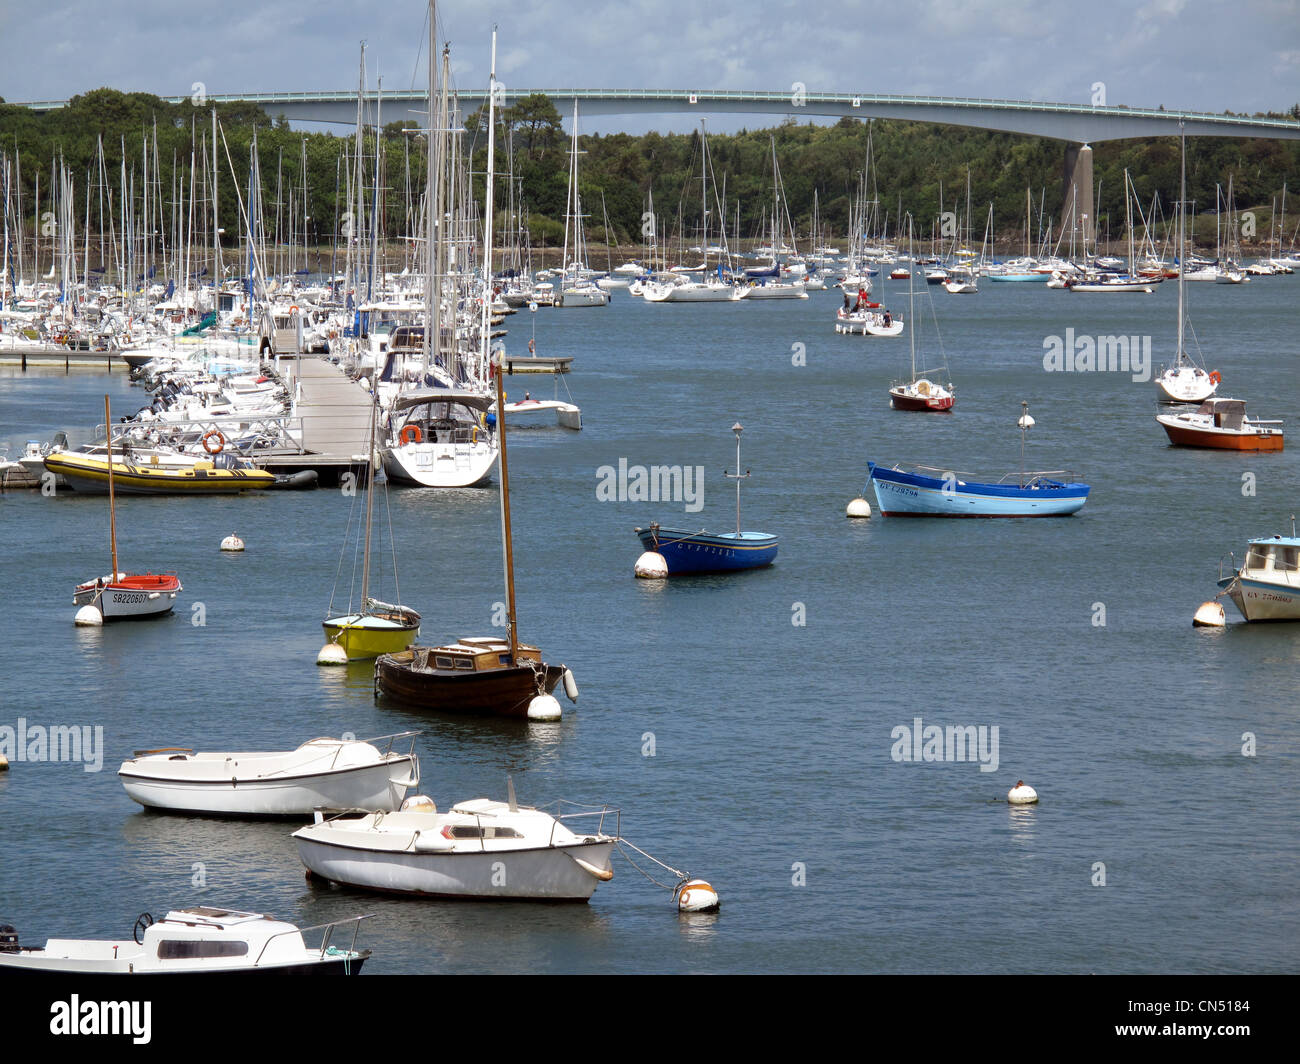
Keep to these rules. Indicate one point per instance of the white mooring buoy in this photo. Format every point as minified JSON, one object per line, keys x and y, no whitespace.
{"x":332,"y":654}
{"x":651,"y":566}
{"x":1209,"y":615}
{"x":88,"y":617}
{"x":544,"y":707}
{"x":859,"y":507}
{"x":418,"y":803}
{"x":232,"y":543}
{"x":1022,"y":794}
{"x":697,"y":896}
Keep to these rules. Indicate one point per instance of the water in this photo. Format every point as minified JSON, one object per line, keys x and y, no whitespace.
{"x":772,"y":773}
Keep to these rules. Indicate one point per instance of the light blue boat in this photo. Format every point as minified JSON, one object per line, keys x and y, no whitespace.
{"x":942,"y":493}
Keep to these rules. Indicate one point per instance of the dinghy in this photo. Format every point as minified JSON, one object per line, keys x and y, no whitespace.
{"x":321,"y":773}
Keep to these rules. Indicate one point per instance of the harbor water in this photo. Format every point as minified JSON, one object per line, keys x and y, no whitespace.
{"x":754,"y":729}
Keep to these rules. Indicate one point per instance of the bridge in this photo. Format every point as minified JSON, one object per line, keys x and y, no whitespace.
{"x":1078,"y":125}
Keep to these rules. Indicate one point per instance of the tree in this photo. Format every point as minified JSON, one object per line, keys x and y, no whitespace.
{"x":537,"y":119}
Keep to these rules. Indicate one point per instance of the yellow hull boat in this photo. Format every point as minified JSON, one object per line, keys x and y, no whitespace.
{"x":222,"y":476}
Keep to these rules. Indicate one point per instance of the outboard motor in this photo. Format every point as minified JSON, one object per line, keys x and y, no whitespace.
{"x":8,"y":939}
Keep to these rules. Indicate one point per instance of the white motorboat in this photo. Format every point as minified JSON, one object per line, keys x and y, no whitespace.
{"x":479,"y":849}
{"x":203,"y":939}
{"x":320,"y":774}
{"x":443,"y":441}
{"x":1266,"y":586}
{"x":529,"y":413}
{"x":684,"y":291}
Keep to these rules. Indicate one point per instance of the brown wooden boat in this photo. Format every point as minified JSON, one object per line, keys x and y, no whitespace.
{"x":471,"y":676}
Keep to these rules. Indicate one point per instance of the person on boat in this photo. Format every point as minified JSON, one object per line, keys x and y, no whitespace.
{"x":887,"y":319}
{"x":848,"y":301}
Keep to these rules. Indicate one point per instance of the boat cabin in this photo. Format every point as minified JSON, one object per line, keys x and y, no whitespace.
{"x":1227,"y":414}
{"x":471,"y":655}
{"x":440,"y":415}
{"x":1279,"y":556}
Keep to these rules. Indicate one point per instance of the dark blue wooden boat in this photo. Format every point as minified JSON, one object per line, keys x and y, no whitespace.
{"x":706,"y":552}
{"x":684,"y":551}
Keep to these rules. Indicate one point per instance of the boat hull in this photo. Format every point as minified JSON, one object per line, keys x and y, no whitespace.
{"x":90,"y":476}
{"x":903,"y":494}
{"x":700,"y":552}
{"x":368,"y":637}
{"x":1182,"y":435}
{"x":379,"y":786}
{"x":440,"y":465}
{"x":543,"y":874}
{"x":1260,"y":600}
{"x":146,"y":595}
{"x":901,"y":399}
{"x":503,"y":692}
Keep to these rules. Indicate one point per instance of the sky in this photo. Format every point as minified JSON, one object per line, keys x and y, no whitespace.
{"x":1182,"y":54}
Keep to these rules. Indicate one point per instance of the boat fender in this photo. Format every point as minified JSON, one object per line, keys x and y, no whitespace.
{"x":603,"y":874}
{"x":570,"y":686}
{"x":532,"y":347}
{"x":214,"y":435}
{"x":411,"y":434}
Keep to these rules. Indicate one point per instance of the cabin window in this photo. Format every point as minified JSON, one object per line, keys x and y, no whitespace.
{"x":1286,"y":559}
{"x":464,"y":663}
{"x":444,"y":662}
{"x":503,"y":659}
{"x":171,"y":949}
{"x":467,"y":831}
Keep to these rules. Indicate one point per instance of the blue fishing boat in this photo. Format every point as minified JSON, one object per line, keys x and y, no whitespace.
{"x":926,"y":491}
{"x":673,"y":551}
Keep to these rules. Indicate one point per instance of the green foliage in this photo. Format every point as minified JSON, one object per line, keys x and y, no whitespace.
{"x":913,"y":166}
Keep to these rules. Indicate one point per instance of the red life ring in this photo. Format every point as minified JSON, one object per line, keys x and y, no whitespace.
{"x":411,"y":434}
{"x":215,"y":434}
{"x":1214,"y":376}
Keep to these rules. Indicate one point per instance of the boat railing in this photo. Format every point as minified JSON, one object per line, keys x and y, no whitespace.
{"x":1067,"y":476}
{"x":243,"y":433}
{"x":600,"y":815}
{"x":325,"y":938}
{"x":1231,"y":559}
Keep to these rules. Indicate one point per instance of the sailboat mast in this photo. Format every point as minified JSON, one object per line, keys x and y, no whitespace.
{"x":112,"y":507}
{"x":370,"y":502}
{"x":507,"y":546}
{"x":485,"y":331}
{"x":1182,"y":258}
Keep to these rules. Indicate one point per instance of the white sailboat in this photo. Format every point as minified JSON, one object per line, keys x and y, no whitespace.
{"x":576,"y":287}
{"x":1184,"y":381}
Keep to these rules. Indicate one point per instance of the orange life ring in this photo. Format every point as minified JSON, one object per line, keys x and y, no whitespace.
{"x":411,"y":434}
{"x":1214,"y":376}
{"x":221,"y":442}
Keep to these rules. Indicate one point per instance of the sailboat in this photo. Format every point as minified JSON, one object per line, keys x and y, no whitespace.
{"x":576,"y":286}
{"x":490,"y":676}
{"x":1184,"y":381}
{"x":119,"y":595}
{"x":918,"y":393}
{"x":379,"y":627}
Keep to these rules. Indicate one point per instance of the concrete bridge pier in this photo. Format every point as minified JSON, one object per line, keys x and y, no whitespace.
{"x":1077,"y":209}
